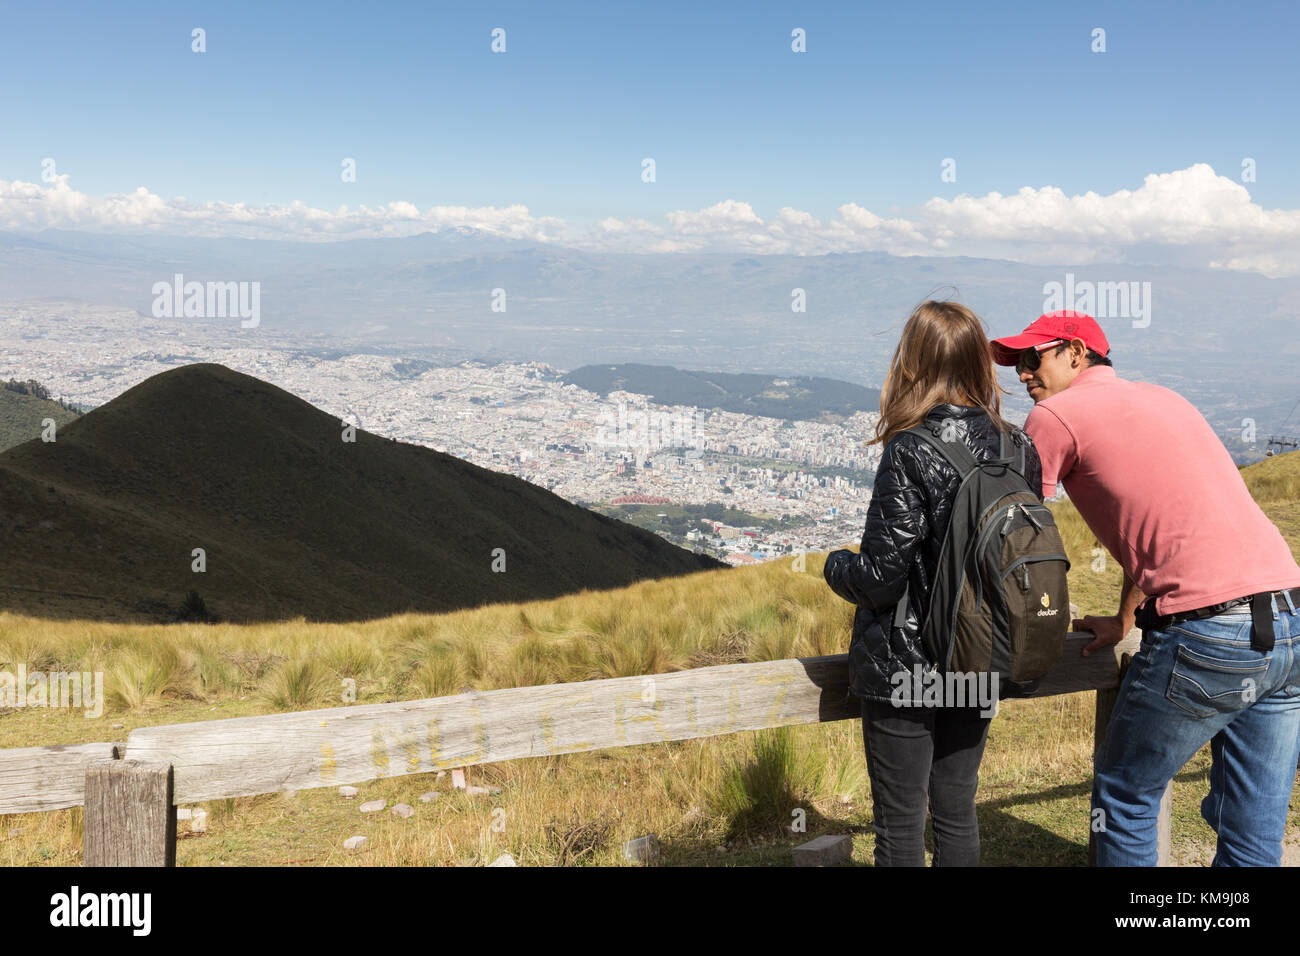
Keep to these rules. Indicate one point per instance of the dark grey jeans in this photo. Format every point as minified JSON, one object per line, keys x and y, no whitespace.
{"x":918,"y":756}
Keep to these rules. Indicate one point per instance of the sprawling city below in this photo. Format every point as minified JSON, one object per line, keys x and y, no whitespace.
{"x":772,"y":487}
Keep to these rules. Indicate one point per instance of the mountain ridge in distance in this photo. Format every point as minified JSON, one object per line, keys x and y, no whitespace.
{"x":294,"y":521}
{"x":788,"y":397}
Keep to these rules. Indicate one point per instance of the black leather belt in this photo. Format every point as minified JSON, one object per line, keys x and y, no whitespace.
{"x":1261,"y":615}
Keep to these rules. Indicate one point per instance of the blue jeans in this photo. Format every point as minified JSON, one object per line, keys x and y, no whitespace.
{"x":1190,"y":684}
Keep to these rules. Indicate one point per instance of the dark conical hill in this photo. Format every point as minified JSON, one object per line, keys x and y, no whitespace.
{"x":294,"y":521}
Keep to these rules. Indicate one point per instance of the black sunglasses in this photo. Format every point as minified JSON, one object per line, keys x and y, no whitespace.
{"x":1031,"y":358}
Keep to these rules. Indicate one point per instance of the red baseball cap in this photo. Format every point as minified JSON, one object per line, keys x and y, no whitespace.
{"x":1064,"y":324}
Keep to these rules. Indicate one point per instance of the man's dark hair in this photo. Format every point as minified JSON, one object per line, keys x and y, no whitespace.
{"x":1094,"y":358}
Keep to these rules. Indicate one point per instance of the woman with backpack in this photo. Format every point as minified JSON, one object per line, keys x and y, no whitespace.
{"x":942,"y":377}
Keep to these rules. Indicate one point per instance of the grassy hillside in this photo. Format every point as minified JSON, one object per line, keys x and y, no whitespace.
{"x":21,"y":416}
{"x":719,"y":801}
{"x":293,"y":520}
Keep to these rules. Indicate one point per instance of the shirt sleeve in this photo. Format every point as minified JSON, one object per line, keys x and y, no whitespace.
{"x":1057,"y":452}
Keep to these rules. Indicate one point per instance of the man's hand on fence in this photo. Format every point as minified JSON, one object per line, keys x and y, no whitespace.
{"x":1107,"y":629}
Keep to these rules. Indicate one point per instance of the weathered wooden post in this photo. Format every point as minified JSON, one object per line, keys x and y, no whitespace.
{"x":1105,"y":705}
{"x":130,"y":818}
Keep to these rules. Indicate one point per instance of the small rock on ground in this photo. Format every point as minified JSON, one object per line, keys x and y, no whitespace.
{"x":403,"y":810}
{"x":372,"y":806}
{"x":348,"y":792}
{"x":354,"y":843}
{"x":830,"y":849}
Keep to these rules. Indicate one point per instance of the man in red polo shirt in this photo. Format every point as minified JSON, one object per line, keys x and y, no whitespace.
{"x":1220,"y":626}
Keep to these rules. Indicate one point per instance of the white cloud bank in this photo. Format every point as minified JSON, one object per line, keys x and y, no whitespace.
{"x":1192,"y":216}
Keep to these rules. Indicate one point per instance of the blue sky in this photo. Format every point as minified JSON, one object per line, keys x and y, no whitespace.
{"x":712,"y":92}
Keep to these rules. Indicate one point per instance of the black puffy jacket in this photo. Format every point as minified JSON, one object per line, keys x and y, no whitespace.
{"x":906,"y":522}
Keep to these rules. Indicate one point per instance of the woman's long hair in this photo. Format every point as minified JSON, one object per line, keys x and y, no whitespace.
{"x":942,"y":356}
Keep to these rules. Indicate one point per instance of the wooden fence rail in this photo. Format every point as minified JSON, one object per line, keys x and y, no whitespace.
{"x":245,"y":756}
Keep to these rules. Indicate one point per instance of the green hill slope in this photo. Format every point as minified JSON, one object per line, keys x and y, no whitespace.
{"x":293,"y":520}
{"x":21,"y":416}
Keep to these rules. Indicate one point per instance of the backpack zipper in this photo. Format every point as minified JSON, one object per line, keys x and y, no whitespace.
{"x":988,"y":530}
{"x":979,"y":544}
{"x":1007,"y":524}
{"x":1030,"y":515}
{"x":1033,"y":558}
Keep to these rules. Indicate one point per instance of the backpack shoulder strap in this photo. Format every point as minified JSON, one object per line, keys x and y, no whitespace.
{"x":957,"y":454}
{"x":1010,"y":460}
{"x":960,"y":457}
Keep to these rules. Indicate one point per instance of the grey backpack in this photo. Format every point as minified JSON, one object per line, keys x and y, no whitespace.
{"x":999,"y":600}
